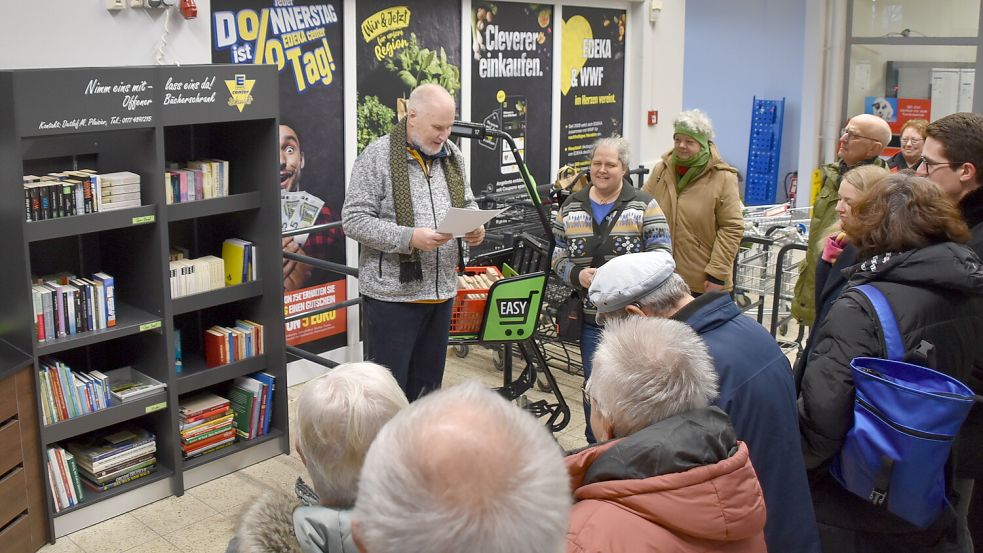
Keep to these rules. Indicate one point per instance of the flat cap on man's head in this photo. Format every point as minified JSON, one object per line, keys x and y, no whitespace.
{"x":628,"y":278}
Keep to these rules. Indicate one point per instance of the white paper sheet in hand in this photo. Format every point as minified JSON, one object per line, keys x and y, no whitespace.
{"x":459,"y":222}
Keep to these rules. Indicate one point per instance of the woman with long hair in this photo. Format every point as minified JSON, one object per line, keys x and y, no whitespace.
{"x":910,"y":241}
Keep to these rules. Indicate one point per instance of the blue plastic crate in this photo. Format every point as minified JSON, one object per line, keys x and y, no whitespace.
{"x":764,"y":151}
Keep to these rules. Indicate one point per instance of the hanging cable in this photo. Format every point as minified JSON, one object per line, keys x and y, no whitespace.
{"x":162,"y":44}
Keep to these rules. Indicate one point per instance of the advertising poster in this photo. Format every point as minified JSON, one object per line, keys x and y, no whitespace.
{"x":303,"y":38}
{"x":897,"y":112}
{"x":592,"y":80}
{"x":511,"y":89}
{"x":400,"y":45}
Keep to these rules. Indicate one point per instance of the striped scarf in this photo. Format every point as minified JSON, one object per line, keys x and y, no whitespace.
{"x":410,"y":268}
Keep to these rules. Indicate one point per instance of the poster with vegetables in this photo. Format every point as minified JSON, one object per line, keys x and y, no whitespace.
{"x":511,"y":90}
{"x":592,"y":80}
{"x":399,"y":46}
{"x":304,"y":39}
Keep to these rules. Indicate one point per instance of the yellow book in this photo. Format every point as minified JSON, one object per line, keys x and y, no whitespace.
{"x":234,"y":256}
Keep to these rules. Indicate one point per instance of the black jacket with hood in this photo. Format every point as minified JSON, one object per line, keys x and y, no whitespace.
{"x":936,"y":294}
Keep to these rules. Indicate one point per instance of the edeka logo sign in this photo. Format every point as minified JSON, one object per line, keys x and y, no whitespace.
{"x":240,"y":90}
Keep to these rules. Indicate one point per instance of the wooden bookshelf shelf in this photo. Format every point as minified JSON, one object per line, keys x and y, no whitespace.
{"x":35,"y":231}
{"x":234,"y":448}
{"x":111,"y":415}
{"x":219,"y":296}
{"x":195,"y":375}
{"x":213,"y":206}
{"x":93,"y":497}
{"x":129,"y":321}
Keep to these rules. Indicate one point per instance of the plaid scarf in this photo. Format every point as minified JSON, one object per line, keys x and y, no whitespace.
{"x":409,"y":264}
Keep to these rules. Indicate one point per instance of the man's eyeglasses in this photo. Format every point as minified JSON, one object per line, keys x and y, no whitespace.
{"x":853,"y":135}
{"x":929,"y":164}
{"x":586,"y":394}
{"x":912,"y":141}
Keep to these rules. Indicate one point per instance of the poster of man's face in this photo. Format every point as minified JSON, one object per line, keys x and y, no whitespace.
{"x":291,"y":159}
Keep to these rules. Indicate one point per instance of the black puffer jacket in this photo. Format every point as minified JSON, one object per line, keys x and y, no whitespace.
{"x":936,"y":294}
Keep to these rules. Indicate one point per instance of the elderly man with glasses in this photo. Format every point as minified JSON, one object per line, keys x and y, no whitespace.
{"x":861,"y":142}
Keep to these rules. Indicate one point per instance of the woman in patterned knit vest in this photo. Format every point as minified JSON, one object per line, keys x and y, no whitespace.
{"x":608,"y":218}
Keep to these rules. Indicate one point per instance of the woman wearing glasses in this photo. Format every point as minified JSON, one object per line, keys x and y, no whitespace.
{"x":912,"y":140}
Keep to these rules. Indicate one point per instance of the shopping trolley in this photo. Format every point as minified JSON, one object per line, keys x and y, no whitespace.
{"x":767,"y":266}
{"x":510,"y":307}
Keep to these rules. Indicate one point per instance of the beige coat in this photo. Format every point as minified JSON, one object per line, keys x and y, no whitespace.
{"x":706,"y":221}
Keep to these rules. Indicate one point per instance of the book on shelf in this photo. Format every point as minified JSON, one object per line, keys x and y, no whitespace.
{"x":115,"y":455}
{"x":194,"y":276}
{"x":70,"y":193}
{"x":206,"y":423}
{"x":229,"y":344}
{"x":268,"y":381}
{"x":240,"y":261}
{"x":65,"y":305}
{"x":200,"y":404}
{"x":63,"y":478}
{"x":128,"y":384}
{"x":197,"y":180}
{"x":67,"y":394}
{"x":251,"y":400}
{"x":178,"y":355}
{"x":125,"y":479}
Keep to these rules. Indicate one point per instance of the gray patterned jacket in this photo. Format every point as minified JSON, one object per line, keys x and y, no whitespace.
{"x":369,"y":217}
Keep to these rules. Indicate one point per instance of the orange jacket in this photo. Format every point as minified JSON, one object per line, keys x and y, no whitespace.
{"x":716,"y":507}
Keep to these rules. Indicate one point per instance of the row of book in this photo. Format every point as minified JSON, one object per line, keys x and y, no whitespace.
{"x":63,"y":479}
{"x":194,"y":276}
{"x":251,"y":398}
{"x":240,"y":261}
{"x":224,"y":344}
{"x":68,"y":393}
{"x":65,"y":305}
{"x":206,"y":424}
{"x":69,"y":193}
{"x":114,"y":456}
{"x":197,"y":180}
{"x":99,"y":461}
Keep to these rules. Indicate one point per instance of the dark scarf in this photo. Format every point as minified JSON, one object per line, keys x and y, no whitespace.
{"x":409,"y":264}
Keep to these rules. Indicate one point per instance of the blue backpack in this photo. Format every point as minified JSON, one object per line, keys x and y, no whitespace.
{"x":905,"y":419}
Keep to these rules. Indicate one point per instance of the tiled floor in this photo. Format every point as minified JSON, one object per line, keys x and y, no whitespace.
{"x":202,"y":521}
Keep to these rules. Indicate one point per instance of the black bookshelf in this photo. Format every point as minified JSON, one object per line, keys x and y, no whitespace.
{"x":92,"y":496}
{"x":113,"y":414}
{"x":218,"y":296}
{"x":57,"y":120}
{"x":195,"y":375}
{"x":129,"y":320}
{"x":236,"y":447}
{"x":213,"y":206}
{"x":93,"y":222}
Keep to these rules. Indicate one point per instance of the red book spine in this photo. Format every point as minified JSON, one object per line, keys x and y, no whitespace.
{"x":206,"y":414}
{"x":213,"y":349}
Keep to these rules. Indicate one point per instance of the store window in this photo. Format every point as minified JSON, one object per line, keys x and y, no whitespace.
{"x":916,"y":18}
{"x":911,"y":59}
